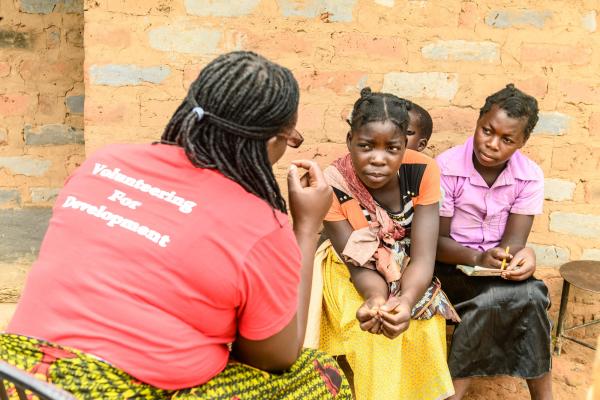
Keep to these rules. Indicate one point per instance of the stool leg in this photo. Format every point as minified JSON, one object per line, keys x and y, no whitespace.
{"x":564,"y":299}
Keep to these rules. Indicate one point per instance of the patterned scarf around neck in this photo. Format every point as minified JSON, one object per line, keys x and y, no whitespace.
{"x":388,"y":262}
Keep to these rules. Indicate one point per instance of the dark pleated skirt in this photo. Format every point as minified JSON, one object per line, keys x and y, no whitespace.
{"x":505,"y":328}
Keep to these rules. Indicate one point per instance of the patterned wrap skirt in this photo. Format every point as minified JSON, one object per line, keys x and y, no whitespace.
{"x":505,"y":328}
{"x":313,"y":376}
{"x":409,"y":367}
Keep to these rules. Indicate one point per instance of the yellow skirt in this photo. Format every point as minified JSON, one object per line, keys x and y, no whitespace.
{"x":410,"y":367}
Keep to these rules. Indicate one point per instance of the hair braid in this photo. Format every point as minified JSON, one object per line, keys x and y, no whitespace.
{"x":247,"y":100}
{"x":516,"y":104}
{"x":376,"y":107}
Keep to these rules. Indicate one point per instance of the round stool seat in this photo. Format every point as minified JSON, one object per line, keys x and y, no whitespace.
{"x":582,"y":274}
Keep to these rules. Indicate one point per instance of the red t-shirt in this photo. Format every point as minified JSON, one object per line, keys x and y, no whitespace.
{"x":155,"y":265}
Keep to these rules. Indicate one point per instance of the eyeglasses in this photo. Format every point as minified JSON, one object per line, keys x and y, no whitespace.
{"x":295,"y":139}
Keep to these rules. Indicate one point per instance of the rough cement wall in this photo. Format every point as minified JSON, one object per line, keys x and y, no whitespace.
{"x":41,"y":123}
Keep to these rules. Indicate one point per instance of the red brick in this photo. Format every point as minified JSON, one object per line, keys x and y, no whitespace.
{"x":454,"y":119}
{"x":540,"y":154}
{"x":51,"y":72}
{"x":311,"y":119}
{"x":579,"y":159}
{"x":103,"y":35}
{"x":351,"y":44}
{"x":594,"y":125}
{"x":579,"y":92}
{"x":336,"y":126}
{"x":106,"y":113}
{"x":437,"y":145}
{"x":323,"y":153}
{"x":53,"y":34}
{"x":540,"y":223}
{"x":75,"y":37}
{"x":536,"y":86}
{"x":157,"y":112}
{"x":14,"y":104}
{"x":328,"y":152}
{"x":468,"y":16}
{"x":4,"y":69}
{"x":275,"y":44}
{"x":339,"y":82}
{"x":592,"y":192}
{"x":3,"y":137}
{"x":46,"y":103}
{"x":556,"y":53}
{"x":190,"y":73}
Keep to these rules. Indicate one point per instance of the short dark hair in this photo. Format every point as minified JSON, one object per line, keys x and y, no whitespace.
{"x":236,"y":104}
{"x":516,"y":104}
{"x":425,"y":121}
{"x":378,"y":107}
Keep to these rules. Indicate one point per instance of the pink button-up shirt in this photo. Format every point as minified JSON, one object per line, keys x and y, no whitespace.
{"x":479,"y":213}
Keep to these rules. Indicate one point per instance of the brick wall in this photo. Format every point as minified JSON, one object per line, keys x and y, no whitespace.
{"x":448,"y":56}
{"x":41,"y":123}
{"x":141,"y":55}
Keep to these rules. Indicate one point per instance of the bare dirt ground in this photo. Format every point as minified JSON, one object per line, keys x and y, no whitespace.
{"x":571,"y":376}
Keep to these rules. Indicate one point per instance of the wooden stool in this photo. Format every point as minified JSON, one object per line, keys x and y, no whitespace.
{"x":583,"y":275}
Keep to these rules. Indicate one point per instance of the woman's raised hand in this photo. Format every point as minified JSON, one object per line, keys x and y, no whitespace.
{"x":310,"y":196}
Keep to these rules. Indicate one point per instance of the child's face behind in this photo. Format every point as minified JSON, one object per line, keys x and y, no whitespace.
{"x":497,"y":137}
{"x":377,"y":149}
{"x":415,"y":140}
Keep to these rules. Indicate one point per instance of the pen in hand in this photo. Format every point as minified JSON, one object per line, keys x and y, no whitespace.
{"x":504,"y":260}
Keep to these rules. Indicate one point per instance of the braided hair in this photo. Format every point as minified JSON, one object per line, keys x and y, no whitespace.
{"x":236,"y":104}
{"x":516,"y":104}
{"x":379,"y":107}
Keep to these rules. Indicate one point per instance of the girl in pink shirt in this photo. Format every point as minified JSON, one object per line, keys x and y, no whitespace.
{"x":492,"y":192}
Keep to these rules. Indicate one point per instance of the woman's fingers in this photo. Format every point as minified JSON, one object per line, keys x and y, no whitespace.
{"x":305,"y":180}
{"x":314,"y":177}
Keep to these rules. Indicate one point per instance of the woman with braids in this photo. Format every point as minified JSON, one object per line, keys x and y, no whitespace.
{"x":492,"y":194}
{"x":384,"y":313}
{"x":170,"y":270}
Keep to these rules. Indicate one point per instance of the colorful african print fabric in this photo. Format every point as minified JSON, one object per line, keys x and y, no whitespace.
{"x":313,"y":376}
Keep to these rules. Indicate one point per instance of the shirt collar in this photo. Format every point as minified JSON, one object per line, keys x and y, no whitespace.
{"x":516,"y":168}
